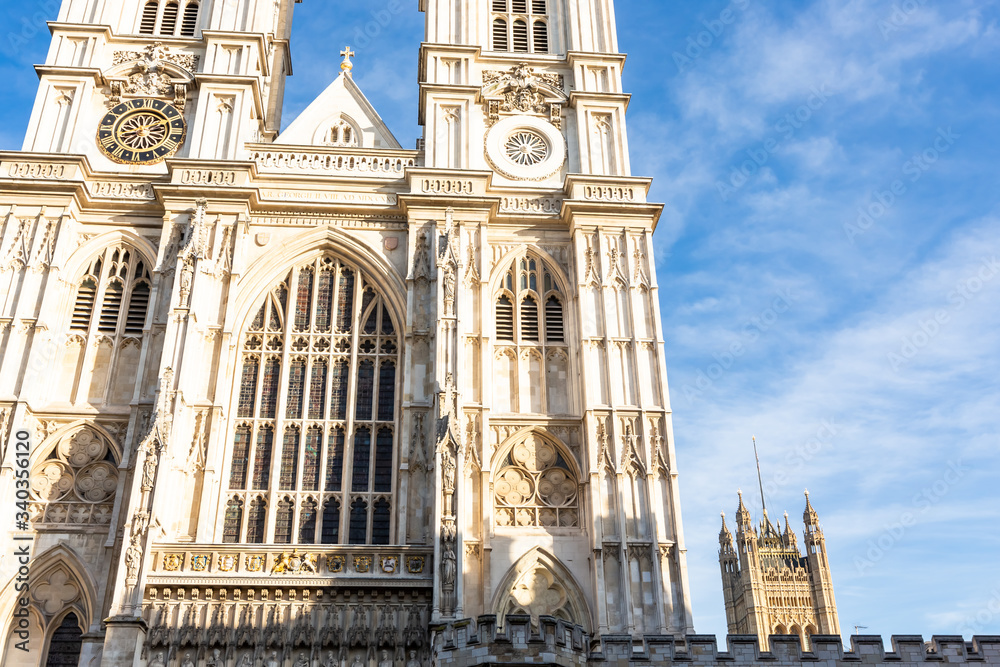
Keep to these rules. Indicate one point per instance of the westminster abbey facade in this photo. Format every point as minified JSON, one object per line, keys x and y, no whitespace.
{"x":300,"y":396}
{"x":292,"y":395}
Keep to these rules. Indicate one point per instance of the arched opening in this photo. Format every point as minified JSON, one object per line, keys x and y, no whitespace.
{"x":168,"y":26}
{"x":66,"y":643}
{"x":147,"y":26}
{"x":189,"y":25}
{"x":317,"y":433}
{"x":538,"y":584}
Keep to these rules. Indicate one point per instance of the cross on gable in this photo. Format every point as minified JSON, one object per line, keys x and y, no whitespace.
{"x":347,"y":65}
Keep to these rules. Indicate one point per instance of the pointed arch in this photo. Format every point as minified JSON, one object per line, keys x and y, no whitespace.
{"x":539,"y":584}
{"x":61,"y":559}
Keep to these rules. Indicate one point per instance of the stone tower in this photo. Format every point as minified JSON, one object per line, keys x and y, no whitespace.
{"x":296,"y":396}
{"x":769,"y":587}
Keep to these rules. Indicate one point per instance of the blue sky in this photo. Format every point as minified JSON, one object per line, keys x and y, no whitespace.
{"x":839,"y":298}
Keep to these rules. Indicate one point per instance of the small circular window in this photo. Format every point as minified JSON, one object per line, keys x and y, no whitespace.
{"x":525,"y":148}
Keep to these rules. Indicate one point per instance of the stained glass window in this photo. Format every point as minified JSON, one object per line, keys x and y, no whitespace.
{"x":331,"y":522}
{"x":289,"y":459}
{"x":255,"y":521}
{"x":362,"y":458}
{"x":307,"y":522}
{"x":313,"y":455}
{"x":233,"y":522}
{"x":283,"y":521}
{"x":340,"y":344}
{"x":359,"y":522}
{"x":262,"y":459}
{"x":241,"y":455}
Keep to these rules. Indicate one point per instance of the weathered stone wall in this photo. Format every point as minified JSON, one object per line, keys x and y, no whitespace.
{"x":554,"y":642}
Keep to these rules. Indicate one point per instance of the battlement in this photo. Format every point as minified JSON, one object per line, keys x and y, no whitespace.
{"x":552,"y":641}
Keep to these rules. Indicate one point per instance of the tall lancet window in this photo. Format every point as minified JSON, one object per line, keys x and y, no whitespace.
{"x":520,"y":26}
{"x":108,"y":318}
{"x":313,"y":451}
{"x":531,"y":331}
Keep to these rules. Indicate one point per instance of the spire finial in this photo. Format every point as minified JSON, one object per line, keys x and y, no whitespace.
{"x":347,"y":65}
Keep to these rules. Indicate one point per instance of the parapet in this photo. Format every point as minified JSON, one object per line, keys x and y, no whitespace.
{"x":552,"y":641}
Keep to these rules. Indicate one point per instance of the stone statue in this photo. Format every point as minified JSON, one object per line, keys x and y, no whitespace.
{"x":330,"y":660}
{"x":357,"y":661}
{"x":157,"y":661}
{"x":246,"y":660}
{"x":385,"y":660}
{"x":413,"y":662}
{"x":215,"y":660}
{"x":302,"y":661}
{"x":187,"y":661}
{"x":272,"y":660}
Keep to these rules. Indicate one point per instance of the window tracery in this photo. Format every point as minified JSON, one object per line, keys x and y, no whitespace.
{"x":536,"y":487}
{"x":315,"y":439}
{"x":530,"y":333}
{"x":76,"y":482}
{"x":520,"y":26}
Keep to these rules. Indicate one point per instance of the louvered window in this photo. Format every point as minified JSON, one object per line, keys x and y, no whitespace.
{"x":135,"y":320}
{"x":520,"y":26}
{"x":320,"y":440}
{"x":110,"y":305}
{"x":190,"y":23}
{"x":168,"y":25}
{"x":530,"y":338}
{"x":540,"y":32}
{"x":505,"y":319}
{"x":147,"y":26}
{"x":554,"y":330}
{"x":529,"y":320}
{"x":500,"y":38}
{"x":84,"y":308}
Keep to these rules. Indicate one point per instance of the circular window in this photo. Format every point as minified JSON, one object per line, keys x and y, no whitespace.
{"x":525,"y":148}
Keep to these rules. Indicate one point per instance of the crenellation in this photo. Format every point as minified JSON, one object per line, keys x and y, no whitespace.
{"x":458,"y":649}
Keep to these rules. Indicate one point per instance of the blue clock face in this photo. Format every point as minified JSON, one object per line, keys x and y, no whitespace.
{"x":141,"y":132}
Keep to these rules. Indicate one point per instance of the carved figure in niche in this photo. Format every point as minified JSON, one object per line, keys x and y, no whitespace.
{"x":421,"y":258}
{"x":449,"y":291}
{"x":272,"y":660}
{"x":132,"y":557}
{"x":187,"y":661}
{"x":246,"y":660}
{"x":385,"y":660}
{"x":413,"y":662}
{"x":148,"y":469}
{"x":157,"y":661}
{"x":330,"y":660}
{"x":357,"y":661}
{"x":303,"y":661}
{"x":215,"y":660}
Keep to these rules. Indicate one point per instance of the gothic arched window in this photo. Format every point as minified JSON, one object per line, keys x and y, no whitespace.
{"x":530,"y":329}
{"x":520,"y":26}
{"x":313,"y":454}
{"x":101,"y":362}
{"x":536,"y":487}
